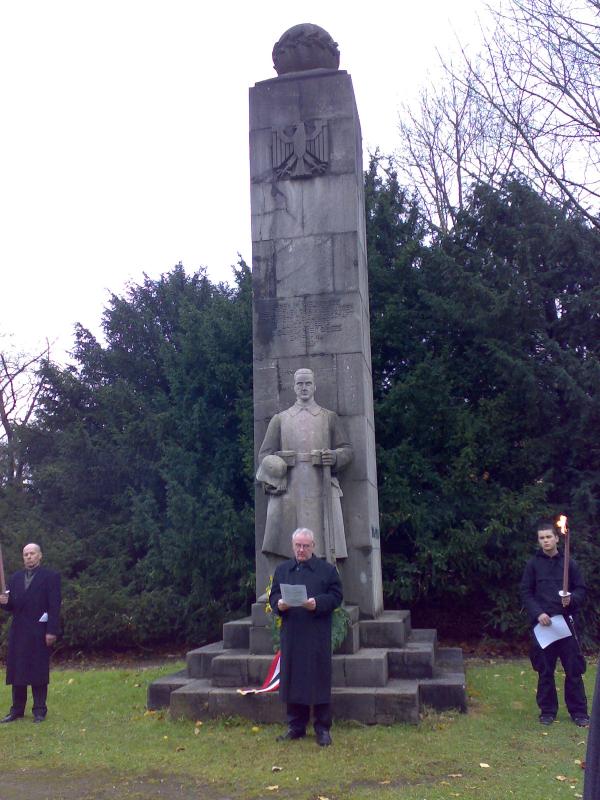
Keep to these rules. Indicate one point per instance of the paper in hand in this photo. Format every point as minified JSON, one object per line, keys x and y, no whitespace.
{"x":293,"y":595}
{"x":44,"y":617}
{"x":546,"y":634}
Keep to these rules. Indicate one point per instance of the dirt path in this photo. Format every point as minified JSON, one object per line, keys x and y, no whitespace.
{"x":50,"y":785}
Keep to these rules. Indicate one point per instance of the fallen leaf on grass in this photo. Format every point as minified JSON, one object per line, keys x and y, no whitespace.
{"x":384,"y":783}
{"x":70,"y":681}
{"x":561,"y":778}
{"x":179,"y":749}
{"x":196,"y":731}
{"x":483,"y":765}
{"x":320,"y":797}
{"x":455,"y":774}
{"x":276,"y":769}
{"x":272,"y":788}
{"x":149,"y":713}
{"x":578,"y":761}
{"x":198,"y":723}
{"x":255,"y":729}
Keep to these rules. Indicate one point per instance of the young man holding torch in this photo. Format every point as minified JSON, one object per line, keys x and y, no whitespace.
{"x":552,"y":585}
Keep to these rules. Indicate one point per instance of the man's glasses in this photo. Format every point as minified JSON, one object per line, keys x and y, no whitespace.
{"x":303,"y":546}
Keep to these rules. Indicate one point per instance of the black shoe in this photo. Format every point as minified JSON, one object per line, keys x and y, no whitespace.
{"x":581,"y":720}
{"x":546,"y":719}
{"x":37,"y":718}
{"x":286,"y":737}
{"x":323,"y":739}
{"x":11,"y":717}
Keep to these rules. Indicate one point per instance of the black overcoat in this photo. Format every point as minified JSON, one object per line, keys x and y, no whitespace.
{"x":305,"y":670}
{"x":28,"y":660}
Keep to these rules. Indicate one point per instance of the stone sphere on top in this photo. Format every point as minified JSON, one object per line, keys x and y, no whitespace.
{"x":304,"y":47}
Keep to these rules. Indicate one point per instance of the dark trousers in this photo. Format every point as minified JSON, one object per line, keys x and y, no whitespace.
{"x":19,"y":699}
{"x":544,"y":663}
{"x":298,"y":716}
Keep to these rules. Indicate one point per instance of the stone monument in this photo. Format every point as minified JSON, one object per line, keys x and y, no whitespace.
{"x":315,"y":453}
{"x":309,"y":267}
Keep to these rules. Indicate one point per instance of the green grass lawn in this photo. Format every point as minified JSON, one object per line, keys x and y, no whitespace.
{"x":99,"y":742}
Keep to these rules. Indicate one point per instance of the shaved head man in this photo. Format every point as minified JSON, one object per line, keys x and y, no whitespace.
{"x":33,"y":599}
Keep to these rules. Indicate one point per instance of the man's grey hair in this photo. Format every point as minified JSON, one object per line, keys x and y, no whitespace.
{"x":305,"y":531}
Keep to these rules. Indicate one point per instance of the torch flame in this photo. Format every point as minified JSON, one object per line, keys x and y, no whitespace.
{"x":562,"y":524}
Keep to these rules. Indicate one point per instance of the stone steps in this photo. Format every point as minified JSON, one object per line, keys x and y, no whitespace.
{"x":372,"y":684}
{"x":398,"y":701}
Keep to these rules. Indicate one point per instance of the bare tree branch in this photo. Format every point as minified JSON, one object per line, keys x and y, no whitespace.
{"x":20,"y":387}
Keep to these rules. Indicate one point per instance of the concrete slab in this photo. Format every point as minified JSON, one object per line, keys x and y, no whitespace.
{"x":159,"y":691}
{"x":367,"y":667}
{"x":199,"y":661}
{"x":190,"y":701}
{"x":236,"y":634}
{"x":390,"y":629}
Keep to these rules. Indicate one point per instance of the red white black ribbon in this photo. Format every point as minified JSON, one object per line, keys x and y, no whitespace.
{"x":271,"y":683}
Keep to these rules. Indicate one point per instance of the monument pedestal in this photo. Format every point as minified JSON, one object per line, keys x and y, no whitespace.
{"x":384,"y":672}
{"x":311,"y":312}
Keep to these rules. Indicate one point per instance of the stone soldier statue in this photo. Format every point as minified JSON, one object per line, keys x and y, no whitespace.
{"x":304,"y":449}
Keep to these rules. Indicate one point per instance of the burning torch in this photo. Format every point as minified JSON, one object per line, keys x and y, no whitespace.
{"x":3,"y":589}
{"x":561,"y":524}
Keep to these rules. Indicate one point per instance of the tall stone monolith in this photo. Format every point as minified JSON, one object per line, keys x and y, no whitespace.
{"x":309,"y":268}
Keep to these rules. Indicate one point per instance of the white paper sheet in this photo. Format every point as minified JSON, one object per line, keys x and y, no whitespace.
{"x":546,"y":634}
{"x":293,"y":595}
{"x":44,"y":617}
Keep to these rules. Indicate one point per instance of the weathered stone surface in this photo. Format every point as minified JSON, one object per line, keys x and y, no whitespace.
{"x":415,"y":660}
{"x":261,"y":641}
{"x":259,"y":616}
{"x":198,"y":661}
{"x":231,"y":669}
{"x":236,"y":634}
{"x":444,"y":692}
{"x":265,"y":708}
{"x":354,"y":703}
{"x":397,"y":702}
{"x":159,"y":691}
{"x":303,"y":47}
{"x":305,"y":324}
{"x":390,"y":629}
{"x":191,"y":701}
{"x":258,"y":668}
{"x":367,"y":667}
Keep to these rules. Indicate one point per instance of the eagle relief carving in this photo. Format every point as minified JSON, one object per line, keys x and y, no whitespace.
{"x":300,"y":150}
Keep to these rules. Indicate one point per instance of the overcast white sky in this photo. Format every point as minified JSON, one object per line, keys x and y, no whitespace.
{"x":124,"y":140}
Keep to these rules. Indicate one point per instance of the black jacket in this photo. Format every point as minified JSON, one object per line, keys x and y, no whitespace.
{"x":541,"y":582}
{"x":306,"y":635}
{"x":28,"y":660}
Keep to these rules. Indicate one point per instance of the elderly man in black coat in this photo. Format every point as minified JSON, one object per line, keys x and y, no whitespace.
{"x":33,"y":598}
{"x":305,"y":674}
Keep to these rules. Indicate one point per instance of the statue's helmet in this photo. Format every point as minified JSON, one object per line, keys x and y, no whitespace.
{"x":272,"y":471}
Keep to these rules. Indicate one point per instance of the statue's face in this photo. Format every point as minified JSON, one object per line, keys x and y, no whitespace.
{"x":304,"y":385}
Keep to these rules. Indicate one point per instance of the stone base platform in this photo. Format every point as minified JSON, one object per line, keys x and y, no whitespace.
{"x":384,"y":672}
